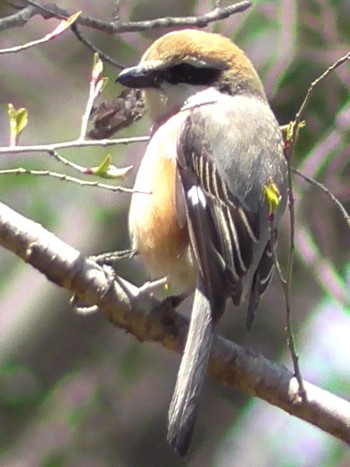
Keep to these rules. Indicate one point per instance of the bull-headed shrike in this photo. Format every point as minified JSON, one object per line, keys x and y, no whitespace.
{"x":200,"y":216}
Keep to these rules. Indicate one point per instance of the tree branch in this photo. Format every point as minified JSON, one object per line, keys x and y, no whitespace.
{"x":77,"y":143}
{"x":230,"y":364}
{"x":51,"y":10}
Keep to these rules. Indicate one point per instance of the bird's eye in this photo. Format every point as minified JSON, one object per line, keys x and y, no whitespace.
{"x":190,"y":74}
{"x":182,"y":72}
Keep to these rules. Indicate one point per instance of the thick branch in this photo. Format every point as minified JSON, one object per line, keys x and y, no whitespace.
{"x":18,"y":19}
{"x":230,"y":364}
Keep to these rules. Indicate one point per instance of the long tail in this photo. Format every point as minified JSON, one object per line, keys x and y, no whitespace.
{"x":184,"y":405}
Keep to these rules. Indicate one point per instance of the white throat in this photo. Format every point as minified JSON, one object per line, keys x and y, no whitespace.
{"x":168,"y":99}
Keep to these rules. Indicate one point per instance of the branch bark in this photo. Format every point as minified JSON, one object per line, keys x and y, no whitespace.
{"x":230,"y":364}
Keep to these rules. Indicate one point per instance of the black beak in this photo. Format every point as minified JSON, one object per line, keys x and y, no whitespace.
{"x":139,"y":77}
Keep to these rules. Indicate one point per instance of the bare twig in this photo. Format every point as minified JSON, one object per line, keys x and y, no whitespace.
{"x":315,"y":83}
{"x":66,"y":162}
{"x":288,"y":283}
{"x":66,"y":178}
{"x":230,"y":364}
{"x":286,"y":280}
{"x":27,"y":45}
{"x":84,"y":40}
{"x":77,"y":143}
{"x":325,"y":190}
{"x":323,"y":270}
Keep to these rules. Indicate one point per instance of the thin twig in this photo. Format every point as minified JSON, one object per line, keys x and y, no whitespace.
{"x":48,"y":37}
{"x":287,"y":284}
{"x":324,"y":271}
{"x":84,"y":40}
{"x":325,"y":190}
{"x":315,"y":83}
{"x":286,"y":280}
{"x":67,"y":178}
{"x":64,"y":161}
{"x":77,"y":143}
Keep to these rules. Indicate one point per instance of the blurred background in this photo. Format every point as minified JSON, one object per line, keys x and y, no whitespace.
{"x":75,"y":391}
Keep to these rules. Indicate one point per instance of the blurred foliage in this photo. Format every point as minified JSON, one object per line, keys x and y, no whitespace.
{"x":73,"y":390}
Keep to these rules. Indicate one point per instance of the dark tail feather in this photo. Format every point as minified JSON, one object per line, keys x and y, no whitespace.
{"x":184,"y":405}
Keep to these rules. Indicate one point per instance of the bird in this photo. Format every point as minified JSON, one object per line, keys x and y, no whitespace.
{"x":200,"y":215}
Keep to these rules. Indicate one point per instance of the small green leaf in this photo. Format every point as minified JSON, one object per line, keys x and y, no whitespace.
{"x":107,"y":170}
{"x":272,"y":196}
{"x":18,"y":120}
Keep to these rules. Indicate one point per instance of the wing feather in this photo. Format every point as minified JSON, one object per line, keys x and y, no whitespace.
{"x":230,"y":154}
{"x":223,"y":232}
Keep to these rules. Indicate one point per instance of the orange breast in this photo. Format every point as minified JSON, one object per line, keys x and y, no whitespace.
{"x":153,"y":218}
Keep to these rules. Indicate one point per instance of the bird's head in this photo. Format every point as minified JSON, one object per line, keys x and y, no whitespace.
{"x":182,"y":63}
